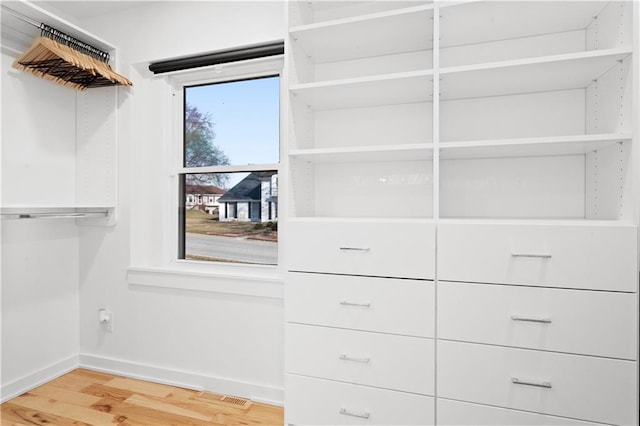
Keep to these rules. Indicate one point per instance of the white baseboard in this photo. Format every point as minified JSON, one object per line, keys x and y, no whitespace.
{"x":255,"y":392}
{"x":37,"y":378}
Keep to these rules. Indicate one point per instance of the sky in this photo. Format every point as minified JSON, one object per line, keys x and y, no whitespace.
{"x":245,"y":115}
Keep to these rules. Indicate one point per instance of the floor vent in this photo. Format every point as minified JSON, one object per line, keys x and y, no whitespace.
{"x":232,"y":401}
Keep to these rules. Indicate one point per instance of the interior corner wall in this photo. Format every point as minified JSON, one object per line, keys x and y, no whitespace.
{"x":40,"y":264}
{"x":225,"y":343}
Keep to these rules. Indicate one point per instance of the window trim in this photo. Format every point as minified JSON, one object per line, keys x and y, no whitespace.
{"x":237,"y":71}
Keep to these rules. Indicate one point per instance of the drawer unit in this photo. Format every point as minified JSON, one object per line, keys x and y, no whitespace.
{"x":312,"y":401}
{"x":374,"y":359}
{"x":575,"y":321}
{"x":581,"y":387}
{"x":398,"y":306}
{"x":452,"y":413}
{"x":597,"y":257}
{"x":402,"y":249}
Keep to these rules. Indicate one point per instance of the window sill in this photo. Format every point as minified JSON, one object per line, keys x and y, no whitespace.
{"x":183,"y":277}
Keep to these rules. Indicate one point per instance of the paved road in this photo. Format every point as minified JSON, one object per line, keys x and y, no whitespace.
{"x":239,"y":249}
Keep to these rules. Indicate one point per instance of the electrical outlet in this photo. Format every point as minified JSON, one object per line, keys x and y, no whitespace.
{"x":105,"y":318}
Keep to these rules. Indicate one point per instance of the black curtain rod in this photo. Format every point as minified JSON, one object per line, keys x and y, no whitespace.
{"x":221,"y":57}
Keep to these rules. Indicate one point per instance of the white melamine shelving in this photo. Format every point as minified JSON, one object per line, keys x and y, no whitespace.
{"x":408,"y":87}
{"x":507,"y":20}
{"x":365,"y":154}
{"x":383,"y":33}
{"x":517,"y":172}
{"x":547,"y":73}
{"x":319,"y":11}
{"x":531,"y":147}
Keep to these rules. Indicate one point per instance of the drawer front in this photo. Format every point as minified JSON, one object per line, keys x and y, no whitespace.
{"x":582,"y":387}
{"x":373,"y":359}
{"x":385,"y":305}
{"x":311,"y":401}
{"x":589,"y":257}
{"x":376,"y":248}
{"x":576,"y":321}
{"x":464,"y":413}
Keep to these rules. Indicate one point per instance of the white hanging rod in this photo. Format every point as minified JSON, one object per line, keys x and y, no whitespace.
{"x":56,"y":215}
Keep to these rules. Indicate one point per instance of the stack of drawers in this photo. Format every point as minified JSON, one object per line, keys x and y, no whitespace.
{"x":360,"y":324}
{"x":537,"y":321}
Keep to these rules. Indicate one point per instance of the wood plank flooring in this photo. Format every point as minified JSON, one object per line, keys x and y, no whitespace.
{"x":85,"y":397}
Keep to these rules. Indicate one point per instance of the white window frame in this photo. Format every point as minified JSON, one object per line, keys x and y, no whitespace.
{"x":245,"y":279}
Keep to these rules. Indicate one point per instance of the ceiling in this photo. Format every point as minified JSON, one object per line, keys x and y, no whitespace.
{"x":89,"y":8}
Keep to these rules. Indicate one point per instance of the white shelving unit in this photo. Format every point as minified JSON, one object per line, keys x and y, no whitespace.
{"x":74,"y":171}
{"x":520,"y":160}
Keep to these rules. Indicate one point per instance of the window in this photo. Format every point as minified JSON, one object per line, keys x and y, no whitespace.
{"x":230,"y":157}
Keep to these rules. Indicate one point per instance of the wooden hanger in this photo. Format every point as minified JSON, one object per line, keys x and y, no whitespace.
{"x":66,"y":66}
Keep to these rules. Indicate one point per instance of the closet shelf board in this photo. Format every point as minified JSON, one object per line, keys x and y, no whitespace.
{"x":359,"y":220}
{"x":411,"y":152}
{"x":547,"y":73}
{"x":505,"y":20}
{"x":531,"y":147}
{"x":578,"y":222}
{"x":397,"y":31}
{"x":390,"y":89}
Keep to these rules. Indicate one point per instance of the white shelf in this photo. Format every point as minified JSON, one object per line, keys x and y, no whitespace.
{"x":556,"y":72}
{"x":390,"y":89}
{"x":512,"y":19}
{"x":382,"y":220}
{"x":530,"y":147}
{"x":397,"y":31}
{"x":536,"y":222}
{"x":413,"y":152}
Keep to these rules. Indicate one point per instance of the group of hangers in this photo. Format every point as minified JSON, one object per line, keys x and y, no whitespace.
{"x":67,"y":61}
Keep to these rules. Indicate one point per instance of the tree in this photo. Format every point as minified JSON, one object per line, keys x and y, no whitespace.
{"x":199,"y":150}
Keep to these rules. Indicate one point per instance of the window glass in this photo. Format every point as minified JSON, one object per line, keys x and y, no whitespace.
{"x":232,"y":123}
{"x":230,"y":216}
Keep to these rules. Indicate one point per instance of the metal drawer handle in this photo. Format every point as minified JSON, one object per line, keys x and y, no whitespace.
{"x":537,"y":255}
{"x":344,"y":248}
{"x":348,"y":358}
{"x":517,"y":381}
{"x":345,"y":412}
{"x":363,"y":305}
{"x":525,"y":319}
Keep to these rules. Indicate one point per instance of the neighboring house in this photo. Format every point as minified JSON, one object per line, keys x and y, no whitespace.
{"x":254,"y":198}
{"x":203,"y":197}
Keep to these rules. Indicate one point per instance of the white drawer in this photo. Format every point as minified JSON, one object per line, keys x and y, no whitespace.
{"x":598,"y":257}
{"x":403,"y":249}
{"x":464,"y":413}
{"x":578,"y":321}
{"x":387,"y":305}
{"x":323,"y":402}
{"x":583,"y":387}
{"x":373,"y":359}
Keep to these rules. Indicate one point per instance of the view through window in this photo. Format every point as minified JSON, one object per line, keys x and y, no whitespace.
{"x":229,"y":187}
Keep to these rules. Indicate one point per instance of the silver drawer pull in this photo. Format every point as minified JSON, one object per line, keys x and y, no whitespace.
{"x":362,"y":305}
{"x":344,"y":248}
{"x":525,"y":319}
{"x":517,"y":381}
{"x":537,"y":255}
{"x":345,"y":412}
{"x":361,"y":360}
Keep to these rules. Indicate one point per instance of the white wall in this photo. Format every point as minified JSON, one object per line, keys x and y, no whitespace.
{"x":222,"y":342}
{"x":40,"y":264}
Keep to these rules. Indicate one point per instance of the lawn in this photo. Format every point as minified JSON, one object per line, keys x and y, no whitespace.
{"x":198,"y":222}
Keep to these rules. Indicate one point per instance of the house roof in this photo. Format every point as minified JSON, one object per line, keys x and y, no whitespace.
{"x":203,"y":189}
{"x":248,"y":189}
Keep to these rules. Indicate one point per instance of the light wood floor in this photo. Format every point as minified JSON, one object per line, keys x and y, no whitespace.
{"x":85,"y":397}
